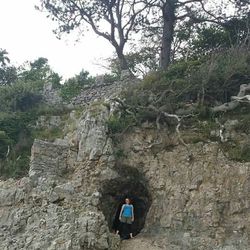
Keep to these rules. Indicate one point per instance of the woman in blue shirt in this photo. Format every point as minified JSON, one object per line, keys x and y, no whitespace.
{"x":127,"y":216}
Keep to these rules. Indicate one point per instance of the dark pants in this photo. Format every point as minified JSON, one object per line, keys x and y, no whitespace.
{"x":125,"y":230}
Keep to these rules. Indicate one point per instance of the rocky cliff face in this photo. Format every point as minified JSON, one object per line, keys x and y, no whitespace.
{"x":75,"y":185}
{"x":199,"y":201}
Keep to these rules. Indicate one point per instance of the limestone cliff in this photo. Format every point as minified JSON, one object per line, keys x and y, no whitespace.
{"x":75,"y":185}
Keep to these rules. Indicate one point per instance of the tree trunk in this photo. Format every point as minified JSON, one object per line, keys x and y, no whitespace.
{"x":169,"y":18}
{"x":122,"y":60}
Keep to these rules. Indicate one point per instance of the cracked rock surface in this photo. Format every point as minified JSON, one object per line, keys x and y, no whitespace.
{"x":201,"y":202}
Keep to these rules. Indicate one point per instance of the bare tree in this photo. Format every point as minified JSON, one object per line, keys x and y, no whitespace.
{"x":113,"y":20}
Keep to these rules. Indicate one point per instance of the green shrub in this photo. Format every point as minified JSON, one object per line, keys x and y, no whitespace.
{"x":16,"y":166}
{"x":118,"y":124}
{"x":51,"y":110}
{"x":73,"y":86}
{"x":47,"y":134}
{"x":70,"y":90}
{"x":15,"y":136}
{"x":237,"y":152}
{"x":20,"y":96}
{"x":242,"y":114}
{"x":205,"y":82}
{"x":119,"y":153}
{"x":110,"y":78}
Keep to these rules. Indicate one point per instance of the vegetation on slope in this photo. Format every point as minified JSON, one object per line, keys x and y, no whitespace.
{"x":188,"y":91}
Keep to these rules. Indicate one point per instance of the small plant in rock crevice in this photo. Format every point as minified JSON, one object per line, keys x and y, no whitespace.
{"x":237,"y":151}
{"x":117,"y":124}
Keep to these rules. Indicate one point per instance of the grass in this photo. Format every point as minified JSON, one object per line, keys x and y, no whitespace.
{"x":47,"y":134}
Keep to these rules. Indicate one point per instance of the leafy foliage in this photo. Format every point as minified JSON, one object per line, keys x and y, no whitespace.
{"x":237,"y":152}
{"x":20,"y":106}
{"x":140,"y":62}
{"x":4,"y":59}
{"x":74,"y":85}
{"x":40,"y":71}
{"x":111,"y":20}
{"x":47,"y":134}
{"x":15,"y":135}
{"x":118,"y":124}
{"x":20,"y":96}
{"x":191,"y":85}
{"x":210,"y":38}
{"x":8,"y":73}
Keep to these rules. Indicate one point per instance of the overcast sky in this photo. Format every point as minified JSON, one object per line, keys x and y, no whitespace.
{"x":27,"y":34}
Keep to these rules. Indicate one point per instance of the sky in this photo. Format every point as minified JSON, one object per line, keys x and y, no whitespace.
{"x":27,"y":34}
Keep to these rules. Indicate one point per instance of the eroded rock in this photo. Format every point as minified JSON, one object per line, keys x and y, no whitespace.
{"x":69,"y":199}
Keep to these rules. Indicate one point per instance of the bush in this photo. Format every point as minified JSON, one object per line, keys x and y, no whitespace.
{"x":16,"y":137}
{"x":208,"y":81}
{"x":188,"y":87}
{"x":118,"y":124}
{"x":47,"y":134}
{"x":15,"y":166}
{"x":237,"y":152}
{"x":73,"y":86}
{"x":20,"y":96}
{"x":109,"y":78}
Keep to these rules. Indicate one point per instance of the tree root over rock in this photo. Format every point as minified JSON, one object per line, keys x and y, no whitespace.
{"x":236,"y":100}
{"x":160,"y":112}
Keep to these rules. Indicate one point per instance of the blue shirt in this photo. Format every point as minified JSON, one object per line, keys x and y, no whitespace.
{"x":127,"y":210}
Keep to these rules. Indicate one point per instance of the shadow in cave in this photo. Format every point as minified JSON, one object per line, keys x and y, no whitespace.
{"x":113,"y":196}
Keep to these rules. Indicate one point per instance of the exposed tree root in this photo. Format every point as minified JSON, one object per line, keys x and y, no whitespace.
{"x":236,"y":100}
{"x":159,"y":113}
{"x":8,"y":152}
{"x":155,"y":143}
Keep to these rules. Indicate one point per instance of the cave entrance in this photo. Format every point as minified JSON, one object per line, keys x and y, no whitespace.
{"x":113,"y":196}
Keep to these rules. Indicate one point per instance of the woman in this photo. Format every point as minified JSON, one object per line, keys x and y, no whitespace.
{"x":126,"y":218}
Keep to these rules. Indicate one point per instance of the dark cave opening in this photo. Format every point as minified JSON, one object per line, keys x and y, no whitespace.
{"x":113,"y":196}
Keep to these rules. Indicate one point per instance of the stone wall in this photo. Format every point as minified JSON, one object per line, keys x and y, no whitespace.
{"x":49,"y":160}
{"x":101,"y":91}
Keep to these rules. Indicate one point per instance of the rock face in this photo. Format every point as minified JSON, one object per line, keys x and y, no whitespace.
{"x":198,"y":202}
{"x":69,"y":200}
{"x":50,"y":95}
{"x":45,"y":122}
{"x":56,"y":207}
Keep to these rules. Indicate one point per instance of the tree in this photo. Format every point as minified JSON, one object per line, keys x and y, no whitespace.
{"x":4,"y":59}
{"x":8,"y":73}
{"x":174,"y":13}
{"x":40,"y":71}
{"x":140,"y":62}
{"x":113,"y":20}
{"x":212,"y":38}
{"x":37,"y":70}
